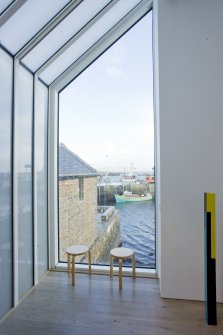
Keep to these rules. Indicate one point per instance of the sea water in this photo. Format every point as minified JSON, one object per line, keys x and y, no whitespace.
{"x":137,"y":222}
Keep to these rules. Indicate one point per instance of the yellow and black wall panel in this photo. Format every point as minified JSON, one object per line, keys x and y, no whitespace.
{"x":210,"y":258}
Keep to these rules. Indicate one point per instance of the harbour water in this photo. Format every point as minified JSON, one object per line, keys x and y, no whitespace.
{"x":137,"y":221}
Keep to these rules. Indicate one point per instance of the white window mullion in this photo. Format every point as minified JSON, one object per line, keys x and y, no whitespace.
{"x":35,"y":254}
{"x":52,"y":178}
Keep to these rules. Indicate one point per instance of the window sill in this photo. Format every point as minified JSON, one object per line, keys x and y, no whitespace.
{"x":104,"y":270}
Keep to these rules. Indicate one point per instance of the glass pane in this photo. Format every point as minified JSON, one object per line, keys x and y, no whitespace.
{"x":4,"y":4}
{"x":41,"y":175}
{"x":6,"y":66}
{"x":62,"y":33}
{"x":27,"y":21}
{"x":106,"y":123}
{"x":103,"y":25}
{"x":23,"y":169}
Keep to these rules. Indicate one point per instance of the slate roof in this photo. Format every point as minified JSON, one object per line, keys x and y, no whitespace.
{"x":71,"y":164}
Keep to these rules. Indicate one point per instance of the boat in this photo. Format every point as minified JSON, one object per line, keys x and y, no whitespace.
{"x":150,"y":179}
{"x":130,"y":197}
{"x":129,"y":178}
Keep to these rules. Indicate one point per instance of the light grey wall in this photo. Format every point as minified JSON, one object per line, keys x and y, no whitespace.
{"x":190,"y":119}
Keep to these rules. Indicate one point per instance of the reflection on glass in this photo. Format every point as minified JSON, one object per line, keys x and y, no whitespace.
{"x":23,"y":168}
{"x":5,"y":183}
{"x":41,"y":175}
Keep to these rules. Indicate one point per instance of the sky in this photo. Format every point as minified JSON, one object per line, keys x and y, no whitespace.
{"x":106,"y":113}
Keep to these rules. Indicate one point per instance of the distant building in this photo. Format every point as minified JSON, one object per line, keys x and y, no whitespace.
{"x":77,"y":201}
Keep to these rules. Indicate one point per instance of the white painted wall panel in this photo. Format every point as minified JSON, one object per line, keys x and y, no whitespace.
{"x":190,"y":81}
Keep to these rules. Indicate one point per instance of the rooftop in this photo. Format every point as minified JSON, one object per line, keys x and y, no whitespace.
{"x":71,"y":164}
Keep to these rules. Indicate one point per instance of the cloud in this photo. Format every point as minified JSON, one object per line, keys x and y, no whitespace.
{"x":114,"y":71}
{"x":117,"y":54}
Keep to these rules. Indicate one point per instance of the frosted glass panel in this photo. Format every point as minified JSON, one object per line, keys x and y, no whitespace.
{"x":41,"y":176}
{"x":62,"y":33}
{"x":27,"y":21}
{"x":6,"y":65}
{"x":4,"y":4}
{"x":23,"y":168}
{"x":101,"y":27}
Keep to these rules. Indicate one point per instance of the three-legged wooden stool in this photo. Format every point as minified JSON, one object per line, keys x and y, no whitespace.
{"x":77,"y":250}
{"x":121,"y":253}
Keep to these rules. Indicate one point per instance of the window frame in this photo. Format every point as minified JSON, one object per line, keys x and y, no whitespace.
{"x":81,"y":188}
{"x":54,"y":89}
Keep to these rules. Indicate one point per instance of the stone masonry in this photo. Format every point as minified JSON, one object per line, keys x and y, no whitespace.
{"x":77,"y":218}
{"x":80,"y":222}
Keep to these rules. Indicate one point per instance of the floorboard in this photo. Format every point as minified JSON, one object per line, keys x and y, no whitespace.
{"x":96,"y":306}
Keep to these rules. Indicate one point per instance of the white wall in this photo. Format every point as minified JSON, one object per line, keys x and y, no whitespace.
{"x":190,"y":117}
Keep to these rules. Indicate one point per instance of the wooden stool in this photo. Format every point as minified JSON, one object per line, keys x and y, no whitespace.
{"x":77,"y":250}
{"x":121,"y":253}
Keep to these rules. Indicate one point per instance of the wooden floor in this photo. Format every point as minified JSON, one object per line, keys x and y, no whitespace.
{"x":95,"y":306}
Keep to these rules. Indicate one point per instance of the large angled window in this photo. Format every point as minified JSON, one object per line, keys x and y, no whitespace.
{"x":106,"y":153}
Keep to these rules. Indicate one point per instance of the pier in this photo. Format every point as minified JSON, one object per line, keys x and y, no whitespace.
{"x":107,"y":191}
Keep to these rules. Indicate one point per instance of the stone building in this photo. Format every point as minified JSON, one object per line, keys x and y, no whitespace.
{"x":81,"y":221}
{"x":77,"y":201}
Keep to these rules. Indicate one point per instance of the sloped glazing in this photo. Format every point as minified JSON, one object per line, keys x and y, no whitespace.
{"x":28,"y":21}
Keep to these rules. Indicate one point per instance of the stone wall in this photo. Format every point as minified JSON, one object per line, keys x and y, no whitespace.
{"x":80,"y":223}
{"x":108,"y":236}
{"x":77,"y":218}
